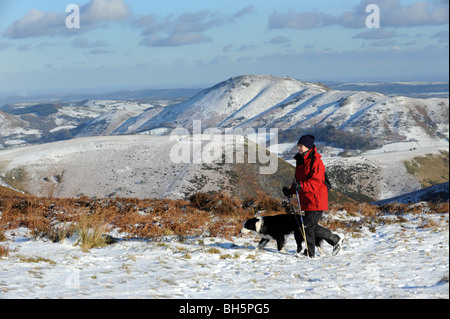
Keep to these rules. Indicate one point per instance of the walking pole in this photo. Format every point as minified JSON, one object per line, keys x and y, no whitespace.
{"x":303,"y":225}
{"x":300,"y":212}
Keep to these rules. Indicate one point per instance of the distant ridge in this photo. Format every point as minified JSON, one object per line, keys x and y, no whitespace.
{"x":436,"y":193}
{"x":265,"y":101}
{"x":109,"y":95}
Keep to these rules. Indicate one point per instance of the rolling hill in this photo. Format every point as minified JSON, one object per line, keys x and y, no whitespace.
{"x":137,"y":166}
{"x":290,"y":104}
{"x":247,"y":102}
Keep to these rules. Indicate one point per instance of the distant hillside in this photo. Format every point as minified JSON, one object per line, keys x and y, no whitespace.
{"x":289,"y":104}
{"x":131,"y":166}
{"x":436,"y":193}
{"x":429,"y":169}
{"x":124,"y":95}
{"x":140,"y":167}
{"x":347,"y":119}
{"x":410,"y":89}
{"x":43,"y":109}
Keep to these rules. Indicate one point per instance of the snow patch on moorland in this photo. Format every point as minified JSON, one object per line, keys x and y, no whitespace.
{"x":398,"y":260}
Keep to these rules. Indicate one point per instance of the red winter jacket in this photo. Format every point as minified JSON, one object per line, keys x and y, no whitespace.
{"x":314,"y":193}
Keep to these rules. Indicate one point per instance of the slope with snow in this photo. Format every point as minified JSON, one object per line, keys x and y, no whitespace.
{"x":143,"y":166}
{"x":381,"y":173}
{"x":436,"y":193}
{"x":104,"y":124}
{"x":31,"y":123}
{"x":140,"y":166}
{"x":394,"y":261}
{"x":249,"y":101}
{"x":286,"y":103}
{"x":230,"y":102}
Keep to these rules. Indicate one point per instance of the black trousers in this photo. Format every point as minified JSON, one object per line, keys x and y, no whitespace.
{"x":313,"y":230}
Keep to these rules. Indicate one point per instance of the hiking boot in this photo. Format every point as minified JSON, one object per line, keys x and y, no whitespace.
{"x":305,"y":254}
{"x":337,"y":247}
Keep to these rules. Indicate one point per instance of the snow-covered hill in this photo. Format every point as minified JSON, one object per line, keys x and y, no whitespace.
{"x":12,"y":126}
{"x":286,"y":103}
{"x":249,"y":101}
{"x":403,"y":126}
{"x":30,"y":123}
{"x":231,"y":102}
{"x":436,"y":193}
{"x":140,"y":166}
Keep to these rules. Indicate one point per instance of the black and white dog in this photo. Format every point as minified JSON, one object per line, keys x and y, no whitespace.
{"x":277,"y":227}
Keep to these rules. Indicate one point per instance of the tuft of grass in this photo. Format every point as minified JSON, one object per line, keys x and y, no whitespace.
{"x":213,"y":250}
{"x":91,"y":234}
{"x":169,"y":281}
{"x":229,"y":256}
{"x":59,"y":234}
{"x":4,"y":251}
{"x":36,"y":260}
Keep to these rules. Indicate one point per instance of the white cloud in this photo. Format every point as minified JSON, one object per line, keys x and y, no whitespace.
{"x":187,"y":28}
{"x":300,"y":20}
{"x":175,"y":39}
{"x":98,"y":51}
{"x":104,"y":11}
{"x":392,"y":14}
{"x":245,"y":11}
{"x":279,"y":40}
{"x":38,"y":23}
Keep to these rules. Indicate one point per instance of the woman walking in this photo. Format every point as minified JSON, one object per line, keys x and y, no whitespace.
{"x":310,"y":186}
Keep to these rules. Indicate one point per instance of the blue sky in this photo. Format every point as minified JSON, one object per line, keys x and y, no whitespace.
{"x":197,"y":43}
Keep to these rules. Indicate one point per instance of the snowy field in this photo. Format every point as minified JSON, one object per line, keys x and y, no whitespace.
{"x":399,"y":260}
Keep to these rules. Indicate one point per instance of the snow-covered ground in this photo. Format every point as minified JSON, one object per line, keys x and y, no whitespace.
{"x":400,"y":260}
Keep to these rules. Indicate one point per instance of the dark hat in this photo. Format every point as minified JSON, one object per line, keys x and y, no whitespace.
{"x":307,"y":140}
